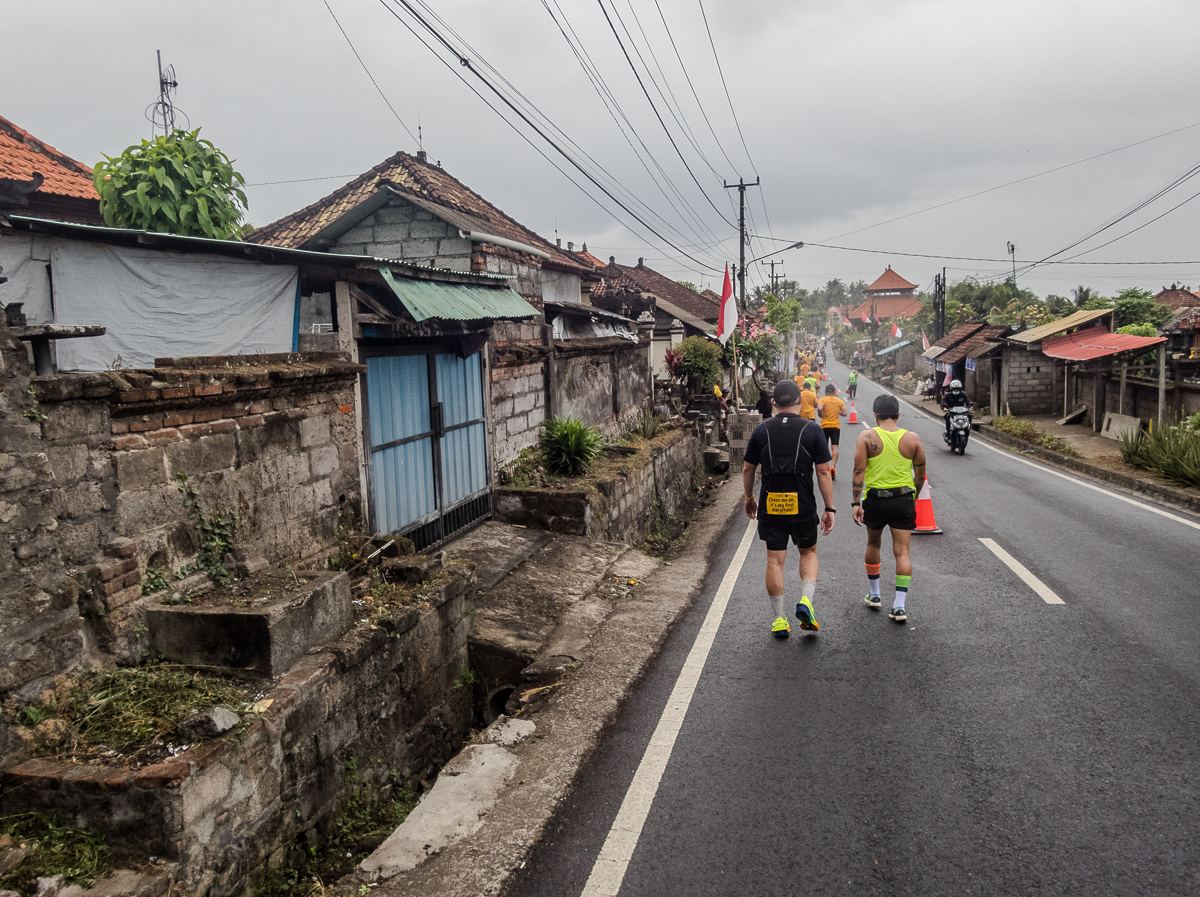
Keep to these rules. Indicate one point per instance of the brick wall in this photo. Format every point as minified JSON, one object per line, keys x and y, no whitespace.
{"x":89,"y":492}
{"x":1027,"y":382}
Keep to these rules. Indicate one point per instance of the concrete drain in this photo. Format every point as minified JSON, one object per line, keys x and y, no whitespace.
{"x":496,"y":700}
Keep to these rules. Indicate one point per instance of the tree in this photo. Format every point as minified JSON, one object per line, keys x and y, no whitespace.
{"x":1083,"y":295}
{"x":1061,"y":306}
{"x":784,"y":316}
{"x":701,"y":362}
{"x":687,"y":283}
{"x":178,"y":184}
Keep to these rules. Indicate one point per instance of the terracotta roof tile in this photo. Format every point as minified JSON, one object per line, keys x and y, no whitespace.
{"x":1173,"y":297}
{"x":887,"y":307}
{"x":620,"y":278}
{"x":890,"y":280}
{"x":981,"y":337}
{"x":429,"y":186}
{"x":22,"y":155}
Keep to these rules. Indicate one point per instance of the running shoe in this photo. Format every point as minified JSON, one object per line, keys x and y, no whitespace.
{"x":806,"y":615}
{"x":898,"y":614}
{"x":833,"y":473}
{"x":874,"y":601}
{"x":780,"y":628}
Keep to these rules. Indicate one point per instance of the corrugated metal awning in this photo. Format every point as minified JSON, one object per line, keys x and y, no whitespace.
{"x":1096,"y":342}
{"x":454,"y":302}
{"x":1046,"y":331}
{"x":892,"y":348}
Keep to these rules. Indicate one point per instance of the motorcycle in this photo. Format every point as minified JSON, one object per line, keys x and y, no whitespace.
{"x":958,"y":429}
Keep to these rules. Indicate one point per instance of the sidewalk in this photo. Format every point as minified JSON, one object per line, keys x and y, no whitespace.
{"x":596,"y":631}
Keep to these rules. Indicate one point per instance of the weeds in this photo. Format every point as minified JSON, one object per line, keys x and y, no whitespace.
{"x":1027,"y":431}
{"x":569,"y":445}
{"x":154,"y":580}
{"x":466,"y":677}
{"x":648,"y":425}
{"x":79,"y":857}
{"x":216,"y":531}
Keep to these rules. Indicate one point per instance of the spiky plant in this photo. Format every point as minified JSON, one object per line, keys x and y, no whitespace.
{"x":569,"y":446}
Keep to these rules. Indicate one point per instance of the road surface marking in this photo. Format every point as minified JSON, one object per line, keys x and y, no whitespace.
{"x":1044,"y":591}
{"x":1078,"y":481}
{"x":609,"y":870}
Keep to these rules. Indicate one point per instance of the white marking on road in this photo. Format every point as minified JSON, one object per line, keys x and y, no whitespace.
{"x":1043,"y":590}
{"x":609,"y":870}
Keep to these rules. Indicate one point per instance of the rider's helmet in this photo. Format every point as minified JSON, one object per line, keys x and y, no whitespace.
{"x":956,"y":384}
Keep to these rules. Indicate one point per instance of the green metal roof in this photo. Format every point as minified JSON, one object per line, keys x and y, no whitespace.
{"x":892,"y":348}
{"x":455,"y":302}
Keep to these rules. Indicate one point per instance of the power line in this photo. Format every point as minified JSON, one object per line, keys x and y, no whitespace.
{"x":1004,"y":261}
{"x":368,"y":71}
{"x":328,"y":177}
{"x":728,"y":98}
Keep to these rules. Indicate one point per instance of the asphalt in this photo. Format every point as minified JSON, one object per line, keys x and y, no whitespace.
{"x":995,"y":744}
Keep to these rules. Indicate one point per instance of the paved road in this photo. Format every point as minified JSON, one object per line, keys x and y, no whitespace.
{"x":996,"y":744}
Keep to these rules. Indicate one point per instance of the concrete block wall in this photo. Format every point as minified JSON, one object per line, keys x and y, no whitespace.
{"x":1027,"y":382}
{"x":380,"y":702}
{"x":402,"y":230}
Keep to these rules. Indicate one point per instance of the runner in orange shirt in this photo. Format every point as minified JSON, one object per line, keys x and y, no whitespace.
{"x":830,"y":409}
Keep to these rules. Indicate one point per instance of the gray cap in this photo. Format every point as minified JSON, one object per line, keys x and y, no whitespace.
{"x":886,"y":406}
{"x":787,"y":392}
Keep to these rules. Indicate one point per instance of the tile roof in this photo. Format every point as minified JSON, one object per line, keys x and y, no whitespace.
{"x":587,"y":257}
{"x":888,"y":307}
{"x":976,"y":343}
{"x":1172,"y":297}
{"x":621,"y":278}
{"x":1096,"y":342}
{"x":425,"y":185}
{"x":22,"y":154}
{"x":891,"y":281}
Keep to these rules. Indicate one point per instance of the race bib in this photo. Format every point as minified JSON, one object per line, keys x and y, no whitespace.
{"x":781,"y":503}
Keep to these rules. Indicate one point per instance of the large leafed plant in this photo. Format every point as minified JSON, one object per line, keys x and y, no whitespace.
{"x":177,"y":184}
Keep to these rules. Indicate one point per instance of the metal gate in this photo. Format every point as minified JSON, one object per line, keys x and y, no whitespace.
{"x":427,"y":438}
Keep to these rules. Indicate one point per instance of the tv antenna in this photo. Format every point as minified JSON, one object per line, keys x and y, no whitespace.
{"x":163,"y":112}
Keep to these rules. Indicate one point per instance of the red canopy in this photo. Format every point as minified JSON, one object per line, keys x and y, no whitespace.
{"x":1096,"y":342}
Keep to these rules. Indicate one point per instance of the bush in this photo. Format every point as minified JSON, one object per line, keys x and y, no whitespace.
{"x":1172,"y":453}
{"x":701,"y":362}
{"x":569,"y":446}
{"x":1027,"y":431}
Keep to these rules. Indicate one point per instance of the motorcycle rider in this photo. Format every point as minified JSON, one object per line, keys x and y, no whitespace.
{"x":955,"y":397}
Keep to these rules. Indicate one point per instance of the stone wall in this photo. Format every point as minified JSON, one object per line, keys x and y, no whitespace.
{"x":89,"y":488}
{"x":376,"y":709}
{"x":517,"y":366}
{"x":1027,"y":383}
{"x":401,"y":230}
{"x":1141,"y":395}
{"x":623,"y":508}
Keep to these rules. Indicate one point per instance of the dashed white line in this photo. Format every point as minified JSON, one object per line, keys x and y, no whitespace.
{"x":1044,"y":591}
{"x":608,"y":872}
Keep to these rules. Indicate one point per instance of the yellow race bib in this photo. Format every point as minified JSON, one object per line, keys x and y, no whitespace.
{"x":781,"y":503}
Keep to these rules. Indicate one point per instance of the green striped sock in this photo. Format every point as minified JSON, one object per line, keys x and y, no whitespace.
{"x":902,"y":584}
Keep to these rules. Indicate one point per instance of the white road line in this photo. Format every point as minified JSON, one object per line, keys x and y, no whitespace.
{"x":1080,"y":482}
{"x":1044,"y":591}
{"x":609,"y":870}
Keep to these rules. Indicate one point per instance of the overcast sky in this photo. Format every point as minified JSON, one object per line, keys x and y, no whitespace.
{"x":853,"y":112}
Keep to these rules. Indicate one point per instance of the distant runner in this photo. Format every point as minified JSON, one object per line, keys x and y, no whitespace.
{"x":808,"y":400}
{"x":889,"y":464}
{"x":831,"y":409}
{"x":789,"y":448}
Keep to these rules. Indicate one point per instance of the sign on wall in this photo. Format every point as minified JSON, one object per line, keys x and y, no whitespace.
{"x":970,"y":364}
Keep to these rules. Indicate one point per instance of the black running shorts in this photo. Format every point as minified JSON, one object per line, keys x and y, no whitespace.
{"x":776,"y":531}
{"x":833,"y":434}
{"x":898,"y":513}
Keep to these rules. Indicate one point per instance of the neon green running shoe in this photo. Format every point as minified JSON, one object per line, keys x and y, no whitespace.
{"x":806,"y":615}
{"x":780,"y":628}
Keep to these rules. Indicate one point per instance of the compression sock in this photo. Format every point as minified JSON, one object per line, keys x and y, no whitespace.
{"x":776,"y":607}
{"x":808,"y":588}
{"x":873,"y":579}
{"x":902,"y":584}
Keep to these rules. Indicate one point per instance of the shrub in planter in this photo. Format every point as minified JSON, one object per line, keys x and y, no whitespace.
{"x":701,"y":364}
{"x":569,"y":446}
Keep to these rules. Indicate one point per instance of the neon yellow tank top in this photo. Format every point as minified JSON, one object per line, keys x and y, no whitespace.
{"x":889,"y":469}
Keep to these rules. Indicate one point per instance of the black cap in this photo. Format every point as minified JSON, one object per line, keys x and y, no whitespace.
{"x":787,"y":392}
{"x":886,"y":406}
{"x":830,"y":389}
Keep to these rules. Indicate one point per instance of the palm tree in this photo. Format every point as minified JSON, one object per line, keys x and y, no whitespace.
{"x":1083,"y":295}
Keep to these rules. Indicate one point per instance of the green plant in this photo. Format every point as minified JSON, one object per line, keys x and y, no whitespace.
{"x":31,"y":716}
{"x":216,"y":531}
{"x":466,"y":677}
{"x":1172,"y":453}
{"x":178,"y":183}
{"x":1027,"y":431}
{"x":79,"y":857}
{"x":37,"y":415}
{"x":648,"y":425}
{"x":701,"y":362}
{"x":569,"y":446}
{"x":154,"y":580}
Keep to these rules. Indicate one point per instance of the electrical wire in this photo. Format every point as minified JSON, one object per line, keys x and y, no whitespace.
{"x":728,"y":98}
{"x":961,"y":258}
{"x":368,"y":71}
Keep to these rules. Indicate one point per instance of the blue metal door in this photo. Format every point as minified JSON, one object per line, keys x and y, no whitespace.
{"x":428,"y":445}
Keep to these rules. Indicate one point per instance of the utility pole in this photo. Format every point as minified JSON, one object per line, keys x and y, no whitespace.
{"x":773,"y":263}
{"x":939,"y":305}
{"x":741,"y":186}
{"x":1012,"y":250}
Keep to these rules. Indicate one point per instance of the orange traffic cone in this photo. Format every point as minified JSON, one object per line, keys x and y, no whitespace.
{"x":925,"y":522}
{"x":853,"y":419}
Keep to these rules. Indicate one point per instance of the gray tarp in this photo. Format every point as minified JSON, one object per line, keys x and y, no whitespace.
{"x":24,"y":258}
{"x":157,"y":304}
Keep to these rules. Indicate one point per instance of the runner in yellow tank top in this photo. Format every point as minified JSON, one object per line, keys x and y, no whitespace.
{"x":889,"y":470}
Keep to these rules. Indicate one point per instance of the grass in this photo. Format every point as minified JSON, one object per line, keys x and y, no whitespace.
{"x":1028,"y":431}
{"x":79,"y":857}
{"x":130,"y":709}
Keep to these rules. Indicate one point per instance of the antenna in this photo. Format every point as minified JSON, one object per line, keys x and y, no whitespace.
{"x":420,"y":135}
{"x":162,"y":113}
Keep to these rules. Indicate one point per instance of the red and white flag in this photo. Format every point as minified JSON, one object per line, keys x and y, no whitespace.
{"x":896,"y":331}
{"x":924,"y":341}
{"x":727,"y":318}
{"x":866,"y":320}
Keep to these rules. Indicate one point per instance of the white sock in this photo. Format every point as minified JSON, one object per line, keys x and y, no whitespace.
{"x":776,"y":607}
{"x":808,"y":588}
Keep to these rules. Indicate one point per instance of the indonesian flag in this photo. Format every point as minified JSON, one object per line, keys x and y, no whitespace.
{"x":896,"y":331}
{"x":866,"y":320}
{"x":846,"y":321}
{"x":877,"y":321}
{"x":727,"y":319}
{"x":924,"y":341}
